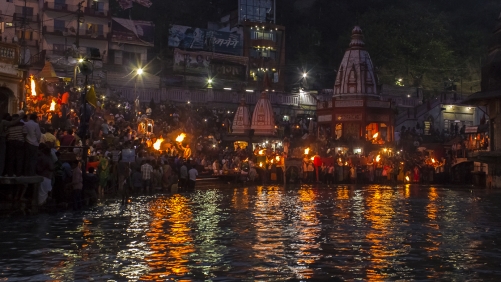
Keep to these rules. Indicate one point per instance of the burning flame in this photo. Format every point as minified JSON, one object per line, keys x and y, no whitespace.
{"x":271,"y":161}
{"x":375,"y":135}
{"x":346,"y":163}
{"x":306,"y":151}
{"x":378,"y":157}
{"x":261,"y":152}
{"x":33,"y":91}
{"x":277,"y":158}
{"x":432,"y":160}
{"x":157,"y":144}
{"x":52,"y":106}
{"x":407,"y":178}
{"x":312,"y":158}
{"x":260,"y":164}
{"x":180,"y":138}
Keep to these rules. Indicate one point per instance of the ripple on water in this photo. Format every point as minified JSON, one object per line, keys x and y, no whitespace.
{"x":267,"y":233}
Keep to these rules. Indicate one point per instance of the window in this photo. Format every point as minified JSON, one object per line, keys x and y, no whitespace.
{"x":58,"y":49}
{"x":59,"y":4}
{"x":27,"y":35}
{"x":59,"y":25}
{"x":261,"y":34}
{"x":94,"y":29}
{"x":257,"y":10}
{"x":22,"y":11}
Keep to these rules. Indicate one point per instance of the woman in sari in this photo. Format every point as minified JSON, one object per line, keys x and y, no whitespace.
{"x":103,"y":170}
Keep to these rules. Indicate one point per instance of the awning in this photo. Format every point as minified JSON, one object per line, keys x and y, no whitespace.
{"x":471,"y":129}
{"x":481,"y":98}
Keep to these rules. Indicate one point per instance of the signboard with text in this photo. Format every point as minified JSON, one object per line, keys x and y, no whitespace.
{"x":194,"y":38}
{"x":205,"y":63}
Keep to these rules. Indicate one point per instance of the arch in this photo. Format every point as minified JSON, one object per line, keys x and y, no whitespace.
{"x":5,"y":98}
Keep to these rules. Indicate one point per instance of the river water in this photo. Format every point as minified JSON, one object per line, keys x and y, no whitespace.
{"x":265,"y":233}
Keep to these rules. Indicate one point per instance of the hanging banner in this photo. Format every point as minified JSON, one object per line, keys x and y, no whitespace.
{"x":194,"y":38}
{"x":213,"y":64}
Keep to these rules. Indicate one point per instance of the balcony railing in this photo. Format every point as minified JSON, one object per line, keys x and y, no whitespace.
{"x":60,"y":7}
{"x":87,"y":34}
{"x":202,"y":96}
{"x":28,"y":18}
{"x":92,"y":12}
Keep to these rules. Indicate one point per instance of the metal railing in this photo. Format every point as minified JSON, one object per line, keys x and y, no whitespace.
{"x":201,"y":96}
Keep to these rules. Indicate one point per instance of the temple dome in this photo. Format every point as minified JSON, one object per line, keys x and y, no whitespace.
{"x":241,"y":121}
{"x":263,"y":118}
{"x":355,"y":77}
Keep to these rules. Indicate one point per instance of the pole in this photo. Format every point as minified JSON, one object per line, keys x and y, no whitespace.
{"x":79,"y":15}
{"x":84,"y":125}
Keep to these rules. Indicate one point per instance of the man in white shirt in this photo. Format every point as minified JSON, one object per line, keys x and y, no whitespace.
{"x":192,"y":173}
{"x":33,"y":137}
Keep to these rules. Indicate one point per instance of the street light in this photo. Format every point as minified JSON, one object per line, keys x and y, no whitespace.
{"x":139,"y":72}
{"x":305,"y":75}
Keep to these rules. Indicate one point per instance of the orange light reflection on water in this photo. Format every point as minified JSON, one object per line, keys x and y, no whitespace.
{"x":170,"y":247}
{"x":380,"y":214}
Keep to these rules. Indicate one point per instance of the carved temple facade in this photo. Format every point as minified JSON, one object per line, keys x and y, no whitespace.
{"x":357,"y":112}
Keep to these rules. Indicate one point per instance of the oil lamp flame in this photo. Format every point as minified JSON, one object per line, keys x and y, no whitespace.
{"x":261,"y":152}
{"x":157,"y":144}
{"x":378,"y":158}
{"x":407,"y":178}
{"x":432,"y":160}
{"x":260,"y":164}
{"x":180,"y":138}
{"x":52,"y":106}
{"x":33,"y":91}
{"x":277,"y":158}
{"x":306,"y":151}
{"x":375,"y":135}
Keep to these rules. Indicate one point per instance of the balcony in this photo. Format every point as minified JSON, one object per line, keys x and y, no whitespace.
{"x":60,"y":7}
{"x":90,"y":11}
{"x":27,"y":18}
{"x":84,"y":34}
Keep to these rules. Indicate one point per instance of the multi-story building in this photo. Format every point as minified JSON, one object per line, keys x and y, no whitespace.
{"x":72,"y":29}
{"x":487,"y":161}
{"x":10,"y":87}
{"x":20,"y":24}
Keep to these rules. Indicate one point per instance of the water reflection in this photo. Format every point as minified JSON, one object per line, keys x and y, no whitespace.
{"x":265,"y":233}
{"x":171,"y":244}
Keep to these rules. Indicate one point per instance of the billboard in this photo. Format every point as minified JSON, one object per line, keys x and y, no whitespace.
{"x":194,"y":38}
{"x":207,"y":63}
{"x":125,"y":30}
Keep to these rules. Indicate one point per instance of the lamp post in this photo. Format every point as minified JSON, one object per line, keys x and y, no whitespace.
{"x":139,"y":72}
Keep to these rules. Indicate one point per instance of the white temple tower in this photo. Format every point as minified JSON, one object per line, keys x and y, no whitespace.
{"x":242,"y":119}
{"x":263,"y":118}
{"x":355,"y":78}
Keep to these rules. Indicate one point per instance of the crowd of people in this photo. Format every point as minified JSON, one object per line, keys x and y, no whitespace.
{"x":50,"y":142}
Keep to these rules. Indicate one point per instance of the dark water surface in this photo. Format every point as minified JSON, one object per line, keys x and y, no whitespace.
{"x":265,"y":233}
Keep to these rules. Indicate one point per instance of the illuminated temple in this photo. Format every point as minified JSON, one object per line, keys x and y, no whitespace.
{"x":242,"y":120}
{"x":356,"y":112}
{"x":263,"y":118}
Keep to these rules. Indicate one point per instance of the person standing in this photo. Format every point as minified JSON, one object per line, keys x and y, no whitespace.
{"x":33,"y":135}
{"x":183,"y":176}
{"x":146,"y":170}
{"x":103,"y":171}
{"x":193,"y":173}
{"x":4,"y":124}
{"x":44,"y":167}
{"x":77,"y":185}
{"x":16,"y":134}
